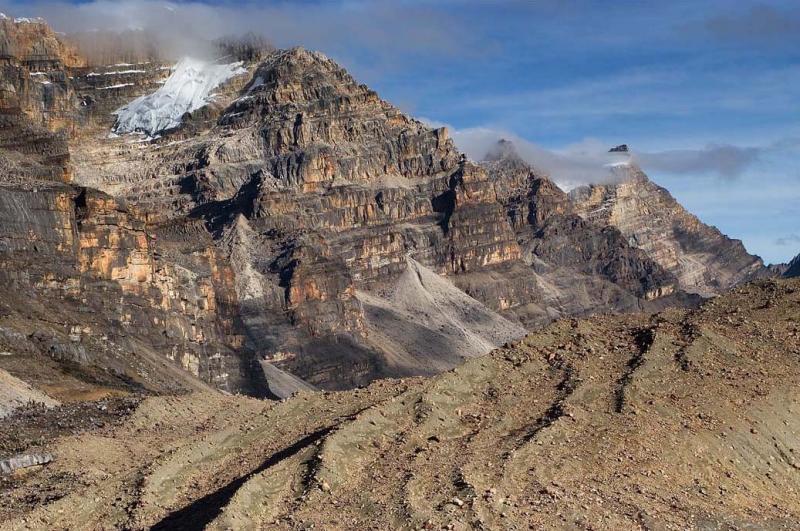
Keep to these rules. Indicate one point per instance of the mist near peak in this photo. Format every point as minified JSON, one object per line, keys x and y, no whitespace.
{"x":175,"y":29}
{"x":105,"y":31}
{"x":591,"y":162}
{"x":587,"y":162}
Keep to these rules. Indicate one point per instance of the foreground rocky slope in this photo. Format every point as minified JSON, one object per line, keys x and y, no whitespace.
{"x":296,"y":231}
{"x":685,"y":419}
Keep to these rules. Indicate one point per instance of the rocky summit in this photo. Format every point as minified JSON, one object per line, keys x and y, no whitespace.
{"x":281,"y":227}
{"x":702,"y":259}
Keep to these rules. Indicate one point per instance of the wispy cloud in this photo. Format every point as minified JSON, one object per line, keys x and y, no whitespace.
{"x":725,"y":161}
{"x":589,"y":161}
{"x":574,"y":165}
{"x":757,"y":23}
{"x":381,"y":29}
{"x":791,"y":239}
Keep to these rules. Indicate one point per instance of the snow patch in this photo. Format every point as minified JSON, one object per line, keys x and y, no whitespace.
{"x":188,"y":88}
{"x":3,"y":16}
{"x":117,"y":72}
{"x":26,"y":20}
{"x":116,"y":86}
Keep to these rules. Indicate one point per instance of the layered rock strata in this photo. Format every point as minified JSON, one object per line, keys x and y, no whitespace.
{"x":703,"y":260}
{"x":282,"y":227}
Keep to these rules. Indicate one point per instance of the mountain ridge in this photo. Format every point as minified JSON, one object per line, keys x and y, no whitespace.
{"x":252,"y":232}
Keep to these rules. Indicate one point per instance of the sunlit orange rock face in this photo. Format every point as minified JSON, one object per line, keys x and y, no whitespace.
{"x":49,"y":95}
{"x":34,"y":43}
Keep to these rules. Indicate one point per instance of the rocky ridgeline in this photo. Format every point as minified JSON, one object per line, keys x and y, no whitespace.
{"x":556,"y":239}
{"x":703,"y":260}
{"x":277,"y":224}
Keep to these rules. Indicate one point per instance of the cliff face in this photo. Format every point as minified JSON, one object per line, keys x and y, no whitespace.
{"x":82,"y":254}
{"x":295,"y":223}
{"x":35,"y":99}
{"x":703,"y":260}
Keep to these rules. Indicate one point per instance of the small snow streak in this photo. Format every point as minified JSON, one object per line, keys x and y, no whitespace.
{"x":116,"y":86}
{"x":117,"y":72}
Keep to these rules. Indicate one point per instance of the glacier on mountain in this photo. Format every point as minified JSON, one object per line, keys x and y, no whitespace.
{"x":187,"y":89}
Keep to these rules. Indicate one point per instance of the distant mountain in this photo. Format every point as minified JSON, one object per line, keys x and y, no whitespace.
{"x":702,"y":259}
{"x":793,"y":269}
{"x":582,"y":265}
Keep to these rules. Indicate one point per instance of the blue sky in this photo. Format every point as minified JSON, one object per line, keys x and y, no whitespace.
{"x":708,"y":91}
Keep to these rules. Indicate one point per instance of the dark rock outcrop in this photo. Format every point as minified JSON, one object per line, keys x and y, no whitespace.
{"x":793,"y":270}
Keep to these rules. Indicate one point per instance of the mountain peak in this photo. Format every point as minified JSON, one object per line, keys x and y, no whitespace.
{"x":300,"y":100}
{"x":622,"y":148}
{"x":502,"y":150}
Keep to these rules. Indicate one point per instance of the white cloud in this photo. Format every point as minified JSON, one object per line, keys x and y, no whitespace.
{"x":722,"y":160}
{"x":791,"y":239}
{"x":588,"y":161}
{"x":759,"y":23}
